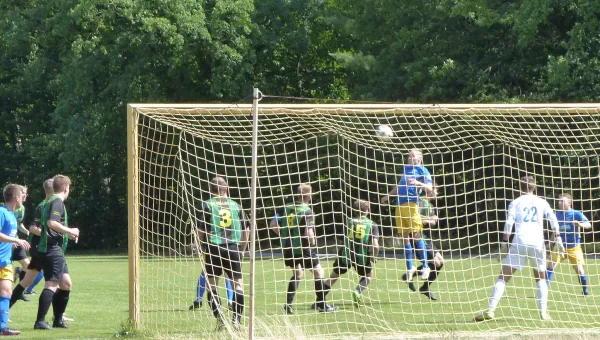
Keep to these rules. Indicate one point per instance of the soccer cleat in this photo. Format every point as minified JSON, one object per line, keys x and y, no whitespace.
{"x":411,"y":285}
{"x":30,"y":292}
{"x":586,"y":294}
{"x":24,"y":298}
{"x":545,"y":317}
{"x":313,"y":306}
{"x":65,"y":318}
{"x":327,"y":309}
{"x":425,"y":291}
{"x":485,"y":316}
{"x":42,"y":325}
{"x":425,"y":273}
{"x":409,"y":274}
{"x":8,"y":331}
{"x":60,"y":323}
{"x":195,"y":305}
{"x":287,"y":309}
{"x":357,"y":297}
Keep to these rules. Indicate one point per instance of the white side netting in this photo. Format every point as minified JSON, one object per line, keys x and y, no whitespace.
{"x":476,"y":156}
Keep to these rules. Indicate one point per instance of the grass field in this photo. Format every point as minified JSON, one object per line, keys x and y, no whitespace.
{"x":99,"y":303}
{"x":391,"y":309}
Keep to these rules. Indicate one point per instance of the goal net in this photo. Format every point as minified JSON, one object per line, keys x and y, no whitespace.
{"x":475,"y":153}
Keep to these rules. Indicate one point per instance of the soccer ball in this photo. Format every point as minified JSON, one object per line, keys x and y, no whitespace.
{"x":384,"y":132}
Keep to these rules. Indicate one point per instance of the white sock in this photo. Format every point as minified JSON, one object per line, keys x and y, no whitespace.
{"x":497,"y":292}
{"x":542,"y":296}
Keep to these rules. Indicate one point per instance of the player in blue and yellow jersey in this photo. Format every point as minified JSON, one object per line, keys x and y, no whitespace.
{"x":224,"y":231}
{"x":414,"y":180}
{"x":34,"y":270}
{"x":571,"y":223}
{"x":19,"y":254}
{"x":13,"y":198}
{"x":297,"y":232}
{"x":361,"y":246}
{"x":53,"y":242}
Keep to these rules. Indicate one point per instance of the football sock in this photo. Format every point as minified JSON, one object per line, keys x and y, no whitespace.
{"x":215,"y":303}
{"x":238,"y":305}
{"x":497,"y":292}
{"x":4,"y":308}
{"x":201,"y":287}
{"x":230,"y":297}
{"x":37,"y":280}
{"x":408,"y":255}
{"x":326,"y":288}
{"x":362,"y":284}
{"x":22,"y":274}
{"x":291,"y":292}
{"x":45,"y":301}
{"x":16,"y":294}
{"x":542,"y":296}
{"x":59,"y":303}
{"x":584,"y":283}
{"x":434,"y":273}
{"x":421,"y":251}
{"x":550,"y":273}
{"x":319,"y":293}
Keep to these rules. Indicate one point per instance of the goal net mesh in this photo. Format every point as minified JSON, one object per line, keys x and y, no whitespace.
{"x":476,"y":156}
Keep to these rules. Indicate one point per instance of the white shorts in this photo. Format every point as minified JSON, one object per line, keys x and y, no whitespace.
{"x":520,"y":254}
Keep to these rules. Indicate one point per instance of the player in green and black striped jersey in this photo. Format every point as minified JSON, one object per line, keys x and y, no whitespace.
{"x":361,"y":246}
{"x":224,"y":232}
{"x":297,"y":232}
{"x":34,"y":270}
{"x":435,"y":260}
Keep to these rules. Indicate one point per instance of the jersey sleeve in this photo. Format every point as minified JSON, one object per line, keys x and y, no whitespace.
{"x":510,"y":218}
{"x":426,"y":176}
{"x":309,"y":221}
{"x":245,"y":220}
{"x":204,"y":217}
{"x":57,"y":210}
{"x":579,"y":216}
{"x":374,"y":230}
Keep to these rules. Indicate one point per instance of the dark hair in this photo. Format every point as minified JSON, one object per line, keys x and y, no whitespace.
{"x":528,"y":184}
{"x":60,"y":183}
{"x":361,"y":207}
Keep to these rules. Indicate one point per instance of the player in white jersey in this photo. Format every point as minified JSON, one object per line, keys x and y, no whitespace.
{"x":527,"y":214}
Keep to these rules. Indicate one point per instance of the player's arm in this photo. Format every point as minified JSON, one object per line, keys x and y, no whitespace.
{"x":23,"y":229}
{"x":375,"y":238}
{"x":555,"y":240}
{"x":245,"y":232}
{"x":202,"y":226}
{"x":274,"y":224}
{"x":393,"y":192}
{"x":581,"y":221}
{"x":14,"y":240}
{"x":309,"y":220}
{"x":35,"y":230}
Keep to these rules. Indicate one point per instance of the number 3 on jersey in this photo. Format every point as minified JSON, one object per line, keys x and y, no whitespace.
{"x":530,"y":214}
{"x":225,"y":218}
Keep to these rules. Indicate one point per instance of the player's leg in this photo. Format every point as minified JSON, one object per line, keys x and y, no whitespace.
{"x":319,"y":274}
{"x":293,"y":284}
{"x":61,"y":299}
{"x":36,"y":280}
{"x":537,"y":256}
{"x":576,"y":258}
{"x":421,"y":248}
{"x":435,"y":264}
{"x":403,"y":223}
{"x":230,"y":292}
{"x":20,"y":288}
{"x":214,"y":269}
{"x":340,"y":266}
{"x":53,"y":265}
{"x":233,"y":269}
{"x":20,"y":255}
{"x":366,"y":276}
{"x":555,"y":259}
{"x":6,"y":280}
{"x":200,"y":290}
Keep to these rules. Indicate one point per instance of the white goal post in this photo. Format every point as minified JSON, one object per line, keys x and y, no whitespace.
{"x":476,"y":154}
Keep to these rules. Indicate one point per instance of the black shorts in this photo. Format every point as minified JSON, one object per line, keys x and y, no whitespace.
{"x":341,"y":265}
{"x":18,"y":254}
{"x":54,"y":265}
{"x":36,"y":263}
{"x":221,"y":259}
{"x":308,"y":259}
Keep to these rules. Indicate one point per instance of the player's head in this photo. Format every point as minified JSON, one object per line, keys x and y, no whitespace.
{"x":305,"y":193}
{"x":48,"y":186}
{"x":24,"y":190}
{"x":565,"y":201}
{"x":13,"y":194}
{"x":61,"y":184}
{"x":528,"y":184}
{"x":415,"y":157}
{"x":219,"y":186}
{"x":361,"y":208}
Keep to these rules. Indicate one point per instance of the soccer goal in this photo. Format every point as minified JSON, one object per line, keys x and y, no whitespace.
{"x":475,"y":153}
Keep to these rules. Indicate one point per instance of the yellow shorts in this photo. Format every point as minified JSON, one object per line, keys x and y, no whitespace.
{"x":6,"y":273}
{"x":575,"y":256}
{"x":408,"y":218}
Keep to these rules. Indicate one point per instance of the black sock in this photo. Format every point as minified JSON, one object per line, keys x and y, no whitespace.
{"x":22,"y":274}
{"x":44,"y":304}
{"x":363,"y":284}
{"x":238,"y":305}
{"x":16,"y":294}
{"x":326,"y":289}
{"x":292,"y":286}
{"x":434,"y":273}
{"x":319,"y":293}
{"x":59,"y":303}
{"x":215,"y":303}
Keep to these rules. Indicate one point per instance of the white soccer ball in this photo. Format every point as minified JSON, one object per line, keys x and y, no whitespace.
{"x":384,"y":132}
